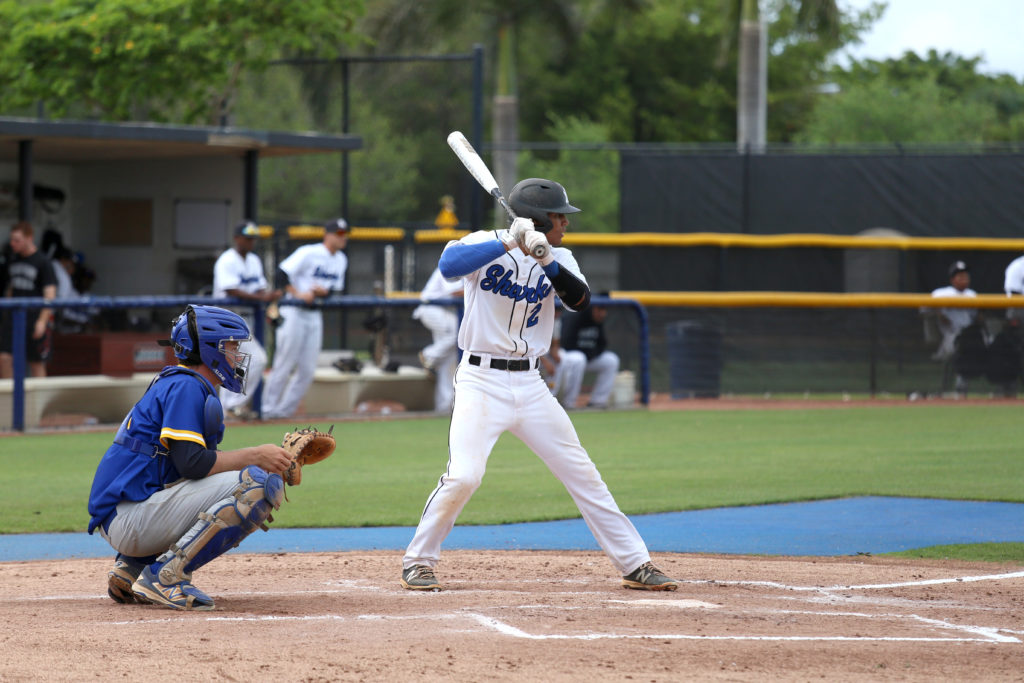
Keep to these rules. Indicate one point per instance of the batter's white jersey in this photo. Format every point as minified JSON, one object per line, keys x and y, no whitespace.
{"x":510,"y":303}
{"x":314,"y":265}
{"x":233,"y":271}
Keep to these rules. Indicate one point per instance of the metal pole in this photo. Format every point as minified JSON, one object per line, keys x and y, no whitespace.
{"x":251,"y":189}
{"x":258,"y":316}
{"x":873,"y":353}
{"x":24,"y":180}
{"x":478,"y":126}
{"x":18,"y":326}
{"x":344,"y":130}
{"x":345,"y":123}
{"x":645,"y":353}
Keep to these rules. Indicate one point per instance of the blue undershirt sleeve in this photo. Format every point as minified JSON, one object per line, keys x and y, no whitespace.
{"x":462,"y":259}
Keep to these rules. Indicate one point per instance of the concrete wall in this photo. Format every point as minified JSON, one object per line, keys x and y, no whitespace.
{"x":151,"y":269}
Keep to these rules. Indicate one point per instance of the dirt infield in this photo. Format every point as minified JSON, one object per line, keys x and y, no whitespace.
{"x":551,"y":616}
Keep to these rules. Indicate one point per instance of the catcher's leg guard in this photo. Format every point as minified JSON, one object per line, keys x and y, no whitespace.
{"x":222,"y":527}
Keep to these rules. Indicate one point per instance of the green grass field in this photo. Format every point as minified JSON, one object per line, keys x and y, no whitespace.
{"x":652,"y":461}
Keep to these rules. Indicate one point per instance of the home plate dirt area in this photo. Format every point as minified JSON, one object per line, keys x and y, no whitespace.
{"x":524,"y":615}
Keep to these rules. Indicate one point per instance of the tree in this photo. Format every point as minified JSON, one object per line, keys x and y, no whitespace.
{"x":160,"y":60}
{"x":816,"y":20}
{"x":308,"y":187}
{"x":590,"y":177}
{"x":940,"y":98}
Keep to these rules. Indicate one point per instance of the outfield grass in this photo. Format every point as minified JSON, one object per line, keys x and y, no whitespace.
{"x":973,"y":552}
{"x":383,"y":471}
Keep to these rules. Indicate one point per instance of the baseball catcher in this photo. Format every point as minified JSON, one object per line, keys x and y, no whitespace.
{"x":164,"y":496}
{"x":306,"y":447}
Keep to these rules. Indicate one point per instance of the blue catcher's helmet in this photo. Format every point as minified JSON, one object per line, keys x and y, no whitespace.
{"x":198,"y":336}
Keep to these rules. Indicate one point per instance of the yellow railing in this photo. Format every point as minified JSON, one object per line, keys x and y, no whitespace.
{"x":315,"y":232}
{"x":816,"y":300}
{"x":721,"y":239}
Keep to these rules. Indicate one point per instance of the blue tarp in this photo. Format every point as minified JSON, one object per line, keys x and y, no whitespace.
{"x":833,"y":527}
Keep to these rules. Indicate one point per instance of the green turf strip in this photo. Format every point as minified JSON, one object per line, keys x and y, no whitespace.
{"x":384,"y":470}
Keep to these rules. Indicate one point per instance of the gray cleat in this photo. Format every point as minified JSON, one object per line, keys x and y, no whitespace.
{"x":420,"y":577}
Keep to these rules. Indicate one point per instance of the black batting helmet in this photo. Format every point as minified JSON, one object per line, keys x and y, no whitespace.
{"x":536,"y":197}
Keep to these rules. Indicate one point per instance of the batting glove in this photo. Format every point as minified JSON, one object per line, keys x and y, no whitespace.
{"x":508,"y":239}
{"x":520,"y":228}
{"x":538,"y":247}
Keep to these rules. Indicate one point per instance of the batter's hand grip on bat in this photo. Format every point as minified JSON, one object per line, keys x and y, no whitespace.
{"x":539,"y":251}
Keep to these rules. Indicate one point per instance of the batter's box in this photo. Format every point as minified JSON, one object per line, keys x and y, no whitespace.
{"x":660,"y":619}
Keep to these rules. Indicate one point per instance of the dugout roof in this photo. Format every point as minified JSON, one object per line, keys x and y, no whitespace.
{"x":71,"y":142}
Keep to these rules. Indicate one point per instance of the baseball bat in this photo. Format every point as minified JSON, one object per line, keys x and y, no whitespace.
{"x":478,"y":169}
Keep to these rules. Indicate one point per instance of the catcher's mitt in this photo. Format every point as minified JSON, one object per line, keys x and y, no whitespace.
{"x":307,"y":446}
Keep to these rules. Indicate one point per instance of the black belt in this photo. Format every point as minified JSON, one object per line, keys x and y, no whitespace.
{"x":502,"y":364}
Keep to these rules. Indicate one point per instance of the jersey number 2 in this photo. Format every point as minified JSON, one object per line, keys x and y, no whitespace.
{"x":534,"y":316}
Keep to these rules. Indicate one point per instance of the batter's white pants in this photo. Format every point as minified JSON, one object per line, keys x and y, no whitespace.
{"x":442,"y":355}
{"x":297,"y":348}
{"x":489,"y":402}
{"x":574,"y":365}
{"x":257,"y":364}
{"x":150,"y":527}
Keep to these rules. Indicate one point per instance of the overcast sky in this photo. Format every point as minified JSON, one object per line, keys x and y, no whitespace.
{"x":992,"y":29}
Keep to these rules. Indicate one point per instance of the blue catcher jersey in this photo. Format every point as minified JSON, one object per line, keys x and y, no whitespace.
{"x":178,"y":405}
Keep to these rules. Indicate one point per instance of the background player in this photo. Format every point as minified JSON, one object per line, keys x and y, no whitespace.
{"x":29,"y":273}
{"x":584,"y":348}
{"x":441,"y":355}
{"x":510,"y":298}
{"x":313,"y":271}
{"x":238,"y":272}
{"x":163,"y":496}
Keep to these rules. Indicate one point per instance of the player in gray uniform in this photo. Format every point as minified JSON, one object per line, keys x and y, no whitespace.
{"x":506,"y":328}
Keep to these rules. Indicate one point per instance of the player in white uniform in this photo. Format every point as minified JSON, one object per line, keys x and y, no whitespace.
{"x":313,"y":271}
{"x":509,"y":314}
{"x":238,"y":273}
{"x":1013,"y":283}
{"x":952,"y":321}
{"x":441,"y":355}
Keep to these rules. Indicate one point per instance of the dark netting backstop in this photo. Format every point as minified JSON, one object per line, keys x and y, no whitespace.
{"x":920,"y":194}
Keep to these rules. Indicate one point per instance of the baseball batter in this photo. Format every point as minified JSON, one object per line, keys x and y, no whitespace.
{"x":238,"y":272}
{"x":313,"y":271}
{"x":509,"y":314}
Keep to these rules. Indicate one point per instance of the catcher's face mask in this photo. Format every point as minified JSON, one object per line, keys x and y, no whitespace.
{"x":237,"y":360}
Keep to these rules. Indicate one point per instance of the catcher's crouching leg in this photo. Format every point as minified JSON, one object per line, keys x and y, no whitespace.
{"x":168,"y":581}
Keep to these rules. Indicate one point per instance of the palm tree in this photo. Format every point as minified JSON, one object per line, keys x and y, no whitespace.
{"x":819,"y":18}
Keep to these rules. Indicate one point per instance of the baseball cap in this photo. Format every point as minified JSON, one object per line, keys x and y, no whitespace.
{"x":336,"y":225}
{"x":958,"y":267}
{"x":247,"y":229}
